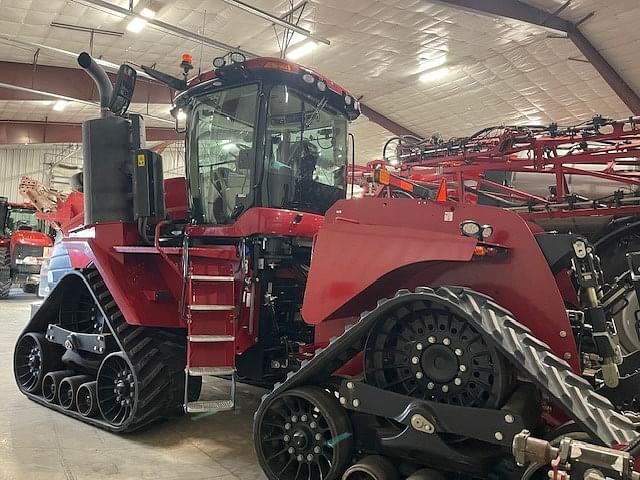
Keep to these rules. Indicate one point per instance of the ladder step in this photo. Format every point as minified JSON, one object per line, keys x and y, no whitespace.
{"x":214,"y":371}
{"x":212,"y":278}
{"x":210,"y":338}
{"x":211,"y":308}
{"x":210,"y":406}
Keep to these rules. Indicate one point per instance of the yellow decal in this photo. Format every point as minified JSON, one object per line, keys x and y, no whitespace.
{"x":141,"y":160}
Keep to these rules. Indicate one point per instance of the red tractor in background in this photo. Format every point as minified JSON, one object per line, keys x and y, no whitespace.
{"x":23,"y":245}
{"x":396,"y":336}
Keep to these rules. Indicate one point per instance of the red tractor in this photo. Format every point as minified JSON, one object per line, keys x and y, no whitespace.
{"x":22,"y":247}
{"x":395,"y":335}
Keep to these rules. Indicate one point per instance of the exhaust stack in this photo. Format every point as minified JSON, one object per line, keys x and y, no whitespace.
{"x":101,"y":79}
{"x":108,"y":144}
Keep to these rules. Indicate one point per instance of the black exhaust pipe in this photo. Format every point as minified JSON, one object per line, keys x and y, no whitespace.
{"x":101,"y":79}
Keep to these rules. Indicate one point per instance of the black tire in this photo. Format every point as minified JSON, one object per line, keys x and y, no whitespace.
{"x":303,"y":433}
{"x":5,"y":257}
{"x":612,"y":253}
{"x":33,"y":358}
{"x":5,"y":277}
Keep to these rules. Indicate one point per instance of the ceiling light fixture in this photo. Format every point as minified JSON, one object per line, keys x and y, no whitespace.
{"x":431,"y":63}
{"x":60,"y":105}
{"x":302,"y":50}
{"x":433,"y":75}
{"x":137,"y":25}
{"x":147,"y":13}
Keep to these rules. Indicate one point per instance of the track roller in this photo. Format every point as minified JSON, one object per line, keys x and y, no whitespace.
{"x":426,"y":474}
{"x":32,"y":359}
{"x":303,"y":433}
{"x":68,"y":388}
{"x":87,"y":399}
{"x":51,"y":384}
{"x":373,"y":467}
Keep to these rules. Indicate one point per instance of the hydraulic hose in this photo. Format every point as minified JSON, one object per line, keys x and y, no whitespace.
{"x":99,"y":76}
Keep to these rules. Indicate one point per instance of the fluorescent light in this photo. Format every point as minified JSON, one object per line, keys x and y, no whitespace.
{"x":431,"y":63}
{"x":147,"y":13}
{"x":137,"y":25}
{"x":302,"y":50}
{"x":60,"y":105}
{"x":433,"y":75}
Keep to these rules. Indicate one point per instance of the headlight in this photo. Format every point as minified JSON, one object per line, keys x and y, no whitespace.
{"x":470,"y":228}
{"x":487,"y":231}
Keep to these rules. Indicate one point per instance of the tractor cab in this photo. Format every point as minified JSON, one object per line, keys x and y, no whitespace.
{"x":264,"y":133}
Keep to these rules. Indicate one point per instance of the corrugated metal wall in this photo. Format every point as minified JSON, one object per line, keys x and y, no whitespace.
{"x":42,"y":162}
{"x":53,"y":164}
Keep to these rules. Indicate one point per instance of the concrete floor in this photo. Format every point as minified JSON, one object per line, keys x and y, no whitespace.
{"x":37,"y":443}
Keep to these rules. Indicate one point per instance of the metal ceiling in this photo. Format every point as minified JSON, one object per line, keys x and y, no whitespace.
{"x":500,"y":69}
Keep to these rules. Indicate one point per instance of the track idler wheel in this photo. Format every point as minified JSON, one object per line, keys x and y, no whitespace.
{"x":373,"y":467}
{"x":117,"y":389}
{"x":33,"y":357}
{"x":68,"y":389}
{"x":51,"y":385}
{"x":303,"y":433}
{"x":87,"y":399}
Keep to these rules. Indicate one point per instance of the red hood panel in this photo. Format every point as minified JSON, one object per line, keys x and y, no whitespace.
{"x":31,"y":238}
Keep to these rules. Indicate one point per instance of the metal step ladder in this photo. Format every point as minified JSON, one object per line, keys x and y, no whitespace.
{"x":210,"y":310}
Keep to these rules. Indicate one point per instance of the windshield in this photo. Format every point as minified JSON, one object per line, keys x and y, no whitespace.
{"x":305,"y":152}
{"x":223,"y":148}
{"x":22,"y":219}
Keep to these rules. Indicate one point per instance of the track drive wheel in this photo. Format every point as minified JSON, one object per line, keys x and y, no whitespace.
{"x":116,"y":389}
{"x":303,"y":434}
{"x":429,"y":352}
{"x":33,"y":358}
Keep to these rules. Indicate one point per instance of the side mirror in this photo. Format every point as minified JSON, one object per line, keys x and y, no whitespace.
{"x":180,"y":117}
{"x":123,"y":91}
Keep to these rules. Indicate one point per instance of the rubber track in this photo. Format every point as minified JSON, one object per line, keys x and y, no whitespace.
{"x":157,"y":356}
{"x":532,"y":358}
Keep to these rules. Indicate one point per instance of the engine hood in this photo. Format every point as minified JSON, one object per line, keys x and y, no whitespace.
{"x":31,"y":238}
